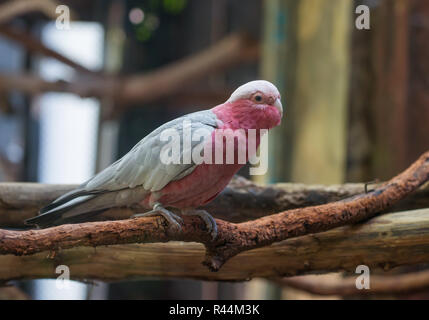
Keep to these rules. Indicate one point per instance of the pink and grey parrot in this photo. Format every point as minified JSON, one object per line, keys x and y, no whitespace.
{"x":141,"y":177}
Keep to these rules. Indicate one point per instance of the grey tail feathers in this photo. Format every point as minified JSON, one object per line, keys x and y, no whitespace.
{"x":66,"y":198}
{"x":74,"y":206}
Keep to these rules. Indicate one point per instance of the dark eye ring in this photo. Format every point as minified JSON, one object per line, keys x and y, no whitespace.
{"x":258,"y":98}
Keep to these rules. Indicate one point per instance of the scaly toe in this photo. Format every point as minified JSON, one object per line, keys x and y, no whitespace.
{"x":207,"y":218}
{"x":172,"y":218}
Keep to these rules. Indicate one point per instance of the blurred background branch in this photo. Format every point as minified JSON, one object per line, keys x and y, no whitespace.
{"x":230,"y":51}
{"x":35,"y":46}
{"x":379,"y":284}
{"x":13,"y":8}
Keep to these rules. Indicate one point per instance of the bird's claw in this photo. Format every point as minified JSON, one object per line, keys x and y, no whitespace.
{"x":172,"y":218}
{"x":207,"y":218}
{"x":176,"y":221}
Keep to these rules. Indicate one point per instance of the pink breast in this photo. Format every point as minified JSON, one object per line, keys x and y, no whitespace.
{"x":198,"y":188}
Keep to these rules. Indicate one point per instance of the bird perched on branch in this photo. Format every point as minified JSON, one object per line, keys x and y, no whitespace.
{"x":142,"y":176}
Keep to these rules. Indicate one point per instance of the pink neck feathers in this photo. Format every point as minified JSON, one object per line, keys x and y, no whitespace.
{"x":243,"y":114}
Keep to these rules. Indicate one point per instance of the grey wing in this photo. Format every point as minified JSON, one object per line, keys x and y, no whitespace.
{"x":116,"y":185}
{"x":142,"y":166}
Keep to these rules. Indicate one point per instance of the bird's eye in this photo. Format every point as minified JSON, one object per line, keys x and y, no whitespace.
{"x":258,"y":98}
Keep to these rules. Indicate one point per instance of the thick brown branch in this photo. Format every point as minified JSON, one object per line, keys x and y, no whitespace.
{"x":380,"y":285}
{"x":232,"y":238}
{"x":387,"y":241}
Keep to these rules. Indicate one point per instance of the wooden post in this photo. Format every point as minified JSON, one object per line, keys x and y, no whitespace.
{"x":389,"y":97}
{"x":389,"y":105}
{"x":418,"y":92}
{"x":306,"y":53}
{"x":278,"y":47}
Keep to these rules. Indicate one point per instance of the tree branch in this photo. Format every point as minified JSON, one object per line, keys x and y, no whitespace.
{"x":385,"y":242}
{"x":232,"y":238}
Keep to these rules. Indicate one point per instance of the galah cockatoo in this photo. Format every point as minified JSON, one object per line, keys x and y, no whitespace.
{"x":141,"y":177}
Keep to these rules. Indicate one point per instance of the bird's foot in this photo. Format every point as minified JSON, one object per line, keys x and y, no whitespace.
{"x":158,"y":210}
{"x":207,"y":218}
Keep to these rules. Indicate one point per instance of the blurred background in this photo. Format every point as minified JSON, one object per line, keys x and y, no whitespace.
{"x":81,"y":82}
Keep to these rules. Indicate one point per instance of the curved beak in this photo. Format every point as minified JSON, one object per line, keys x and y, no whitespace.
{"x":278,"y":105}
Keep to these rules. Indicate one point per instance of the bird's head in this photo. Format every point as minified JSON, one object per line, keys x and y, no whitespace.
{"x":255,"y":104}
{"x":258,"y":94}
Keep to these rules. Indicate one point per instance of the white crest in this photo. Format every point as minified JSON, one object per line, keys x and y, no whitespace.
{"x":246,"y":90}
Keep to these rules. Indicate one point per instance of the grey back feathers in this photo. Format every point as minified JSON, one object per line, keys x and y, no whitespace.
{"x":142,"y":166}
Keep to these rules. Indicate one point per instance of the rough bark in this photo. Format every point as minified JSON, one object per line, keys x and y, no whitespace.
{"x":385,"y":242}
{"x":232,"y":238}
